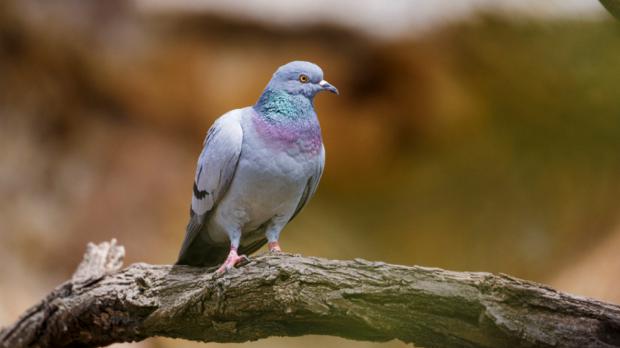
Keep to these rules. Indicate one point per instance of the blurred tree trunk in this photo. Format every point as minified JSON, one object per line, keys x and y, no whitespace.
{"x":285,"y":295}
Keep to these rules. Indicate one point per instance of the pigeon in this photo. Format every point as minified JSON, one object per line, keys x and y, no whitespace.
{"x":259,"y":166}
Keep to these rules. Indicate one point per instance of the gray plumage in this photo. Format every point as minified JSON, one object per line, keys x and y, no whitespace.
{"x":259,"y":167}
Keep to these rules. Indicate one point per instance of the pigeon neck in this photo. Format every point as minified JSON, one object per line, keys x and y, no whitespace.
{"x":277,"y":106}
{"x":288,"y":122}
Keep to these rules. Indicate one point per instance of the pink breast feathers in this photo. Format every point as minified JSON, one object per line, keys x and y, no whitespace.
{"x":301,"y":134}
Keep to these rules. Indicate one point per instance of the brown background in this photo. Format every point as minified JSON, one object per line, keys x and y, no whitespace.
{"x":489,"y":143}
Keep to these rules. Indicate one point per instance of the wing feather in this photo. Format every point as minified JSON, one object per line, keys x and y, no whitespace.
{"x":311,"y":186}
{"x":215,"y":170}
{"x":217,"y":163}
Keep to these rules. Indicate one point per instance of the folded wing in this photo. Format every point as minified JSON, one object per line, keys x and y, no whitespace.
{"x":214,"y":172}
{"x":313,"y":183}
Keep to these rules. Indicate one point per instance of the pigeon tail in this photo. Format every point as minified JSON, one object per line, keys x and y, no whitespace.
{"x":196,"y":250}
{"x":199,"y":252}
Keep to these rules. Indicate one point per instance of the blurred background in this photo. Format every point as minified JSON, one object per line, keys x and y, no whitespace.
{"x":471,"y":135}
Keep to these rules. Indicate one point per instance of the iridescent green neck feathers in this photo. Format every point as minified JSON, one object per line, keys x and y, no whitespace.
{"x":278,"y":106}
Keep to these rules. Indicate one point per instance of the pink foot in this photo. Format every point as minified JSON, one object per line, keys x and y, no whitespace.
{"x":231,"y":261}
{"x":274,"y":247}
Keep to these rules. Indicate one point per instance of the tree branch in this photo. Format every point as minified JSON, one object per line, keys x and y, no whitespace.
{"x":287,"y":295}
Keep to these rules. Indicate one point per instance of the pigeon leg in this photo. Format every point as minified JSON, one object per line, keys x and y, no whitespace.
{"x":274,"y":247}
{"x":273,"y":233}
{"x":232,"y":260}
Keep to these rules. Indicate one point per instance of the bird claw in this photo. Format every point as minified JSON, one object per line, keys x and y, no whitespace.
{"x":231,"y":261}
{"x":274,"y":248}
{"x":243,"y":260}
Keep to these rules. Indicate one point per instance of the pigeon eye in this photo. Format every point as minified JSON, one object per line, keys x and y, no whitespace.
{"x":303,"y":78}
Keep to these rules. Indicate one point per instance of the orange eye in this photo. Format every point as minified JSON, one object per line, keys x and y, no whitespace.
{"x":303,"y":78}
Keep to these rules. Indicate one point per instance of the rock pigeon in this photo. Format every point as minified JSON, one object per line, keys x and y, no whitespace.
{"x":259,"y":166}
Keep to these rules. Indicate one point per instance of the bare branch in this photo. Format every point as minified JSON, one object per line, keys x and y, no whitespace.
{"x":287,"y":295}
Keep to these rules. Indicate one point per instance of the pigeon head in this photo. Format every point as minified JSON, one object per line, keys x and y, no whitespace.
{"x":300,"y":78}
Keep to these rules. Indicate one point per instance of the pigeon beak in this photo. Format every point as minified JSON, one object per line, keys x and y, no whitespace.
{"x":328,"y":87}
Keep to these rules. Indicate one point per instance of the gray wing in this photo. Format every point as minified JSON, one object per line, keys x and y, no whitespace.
{"x":313,"y":183}
{"x":214,"y":172}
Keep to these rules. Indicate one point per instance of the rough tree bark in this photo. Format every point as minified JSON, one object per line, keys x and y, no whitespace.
{"x":288,"y":295}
